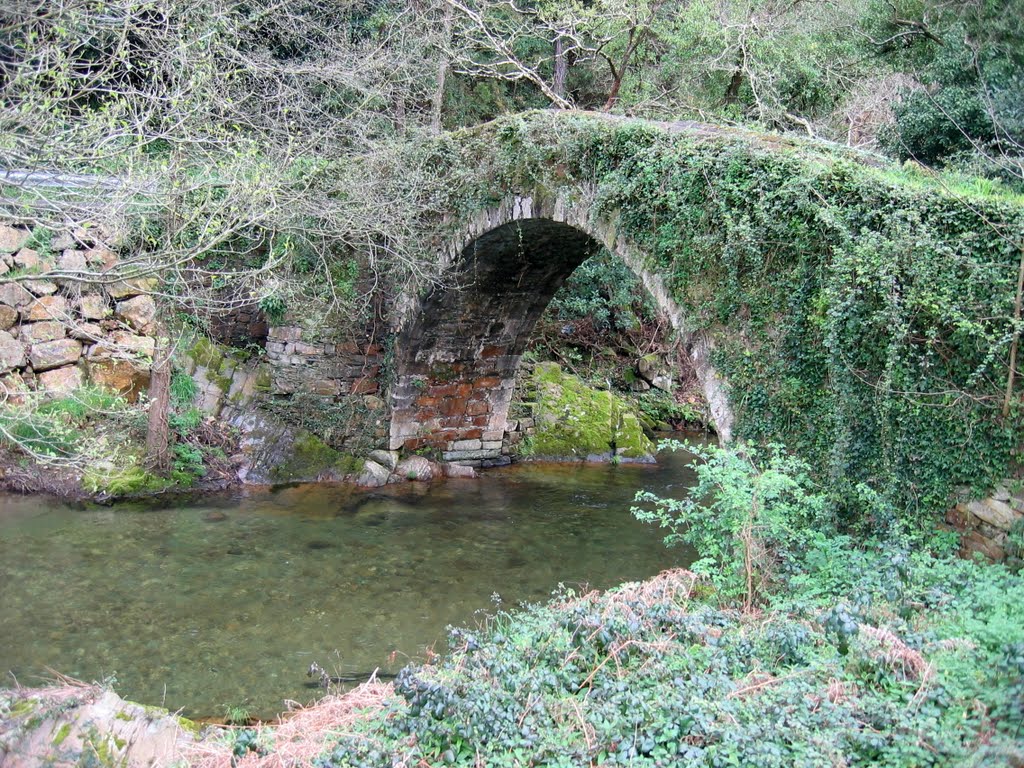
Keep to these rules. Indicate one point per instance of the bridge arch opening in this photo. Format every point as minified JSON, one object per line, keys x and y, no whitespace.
{"x":456,"y":358}
{"x":458,"y":349}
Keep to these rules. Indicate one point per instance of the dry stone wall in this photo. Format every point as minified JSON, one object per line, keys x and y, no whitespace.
{"x":990,"y":526}
{"x":59,"y":331}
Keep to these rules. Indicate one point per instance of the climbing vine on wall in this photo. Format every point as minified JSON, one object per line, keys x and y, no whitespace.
{"x":862,"y":312}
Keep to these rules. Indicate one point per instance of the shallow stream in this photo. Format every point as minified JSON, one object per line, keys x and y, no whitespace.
{"x":225,"y":601}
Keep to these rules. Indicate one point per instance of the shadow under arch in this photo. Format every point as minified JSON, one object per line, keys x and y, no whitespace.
{"x":457,"y":352}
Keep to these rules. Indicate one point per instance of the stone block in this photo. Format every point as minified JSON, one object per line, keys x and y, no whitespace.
{"x":13,"y":389}
{"x":12,"y":238}
{"x":120,"y":376}
{"x":93,"y":306}
{"x":12,"y":353}
{"x":492,"y":435}
{"x":459,"y":470}
{"x":975,"y":542}
{"x":487,"y":382}
{"x":72,"y":261}
{"x":15,"y":295}
{"x":284,"y":333}
{"x":308,"y":349}
{"x":124,"y":289}
{"x":123,"y":345}
{"x":995,"y":513}
{"x":54,"y":354}
{"x":49,"y":330}
{"x":467,"y":445}
{"x":41,"y":287}
{"x":138,"y":312}
{"x":364,"y":386}
{"x":60,"y":381}
{"x":477,"y":407}
{"x":387,"y":459}
{"x":88,"y":332}
{"x":461,"y":456}
{"x":46,"y":308}
{"x":102,"y":258}
{"x":491,"y":445}
{"x":8,"y":317}
{"x":417,"y":468}
{"x":373,"y":475}
{"x":28,"y":259}
{"x":325,"y":387}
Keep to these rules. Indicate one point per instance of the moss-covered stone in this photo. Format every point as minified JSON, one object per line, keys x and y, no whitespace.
{"x":311,"y":458}
{"x":576,"y":421}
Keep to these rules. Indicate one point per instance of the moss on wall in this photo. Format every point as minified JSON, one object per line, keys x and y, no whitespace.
{"x":576,"y":421}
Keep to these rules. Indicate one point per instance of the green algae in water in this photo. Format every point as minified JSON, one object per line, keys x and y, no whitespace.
{"x":226,"y":602}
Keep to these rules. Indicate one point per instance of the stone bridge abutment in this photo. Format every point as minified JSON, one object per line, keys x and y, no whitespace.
{"x":458,"y":346}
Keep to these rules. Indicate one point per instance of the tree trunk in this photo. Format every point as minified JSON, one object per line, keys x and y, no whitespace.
{"x":442,"y":76}
{"x":158,"y":433}
{"x":561,"y":67}
{"x":732,"y":93}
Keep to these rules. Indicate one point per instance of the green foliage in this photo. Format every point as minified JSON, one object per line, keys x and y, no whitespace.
{"x":183,"y":388}
{"x":53,"y":429}
{"x":752,"y":516}
{"x":606,"y":292}
{"x":649,"y":674}
{"x":861,"y":315}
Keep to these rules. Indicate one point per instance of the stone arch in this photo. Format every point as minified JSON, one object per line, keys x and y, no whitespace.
{"x":458,"y":347}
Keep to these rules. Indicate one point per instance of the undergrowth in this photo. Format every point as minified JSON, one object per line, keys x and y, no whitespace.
{"x":859,"y":651}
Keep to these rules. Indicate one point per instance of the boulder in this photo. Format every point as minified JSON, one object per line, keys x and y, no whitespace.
{"x":89,"y":332}
{"x":13,"y":389}
{"x":12,"y":238}
{"x":72,"y":261}
{"x":996,"y":513}
{"x":120,"y":376}
{"x":417,"y":468}
{"x":122,"y":345}
{"x":41,"y":287}
{"x":373,"y":475}
{"x":8,"y":316}
{"x":387,"y":459}
{"x":662,"y":382}
{"x":54,"y":354}
{"x":103,"y":258}
{"x":458,"y":470}
{"x":27,"y":259}
{"x":12,"y":352}
{"x":93,"y":306}
{"x":15,"y":295}
{"x":46,"y":308}
{"x":33,"y":333}
{"x":122,"y":289}
{"x":139,"y":313}
{"x":59,"y":381}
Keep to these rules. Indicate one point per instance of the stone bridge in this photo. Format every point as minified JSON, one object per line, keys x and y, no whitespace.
{"x":459,"y":347}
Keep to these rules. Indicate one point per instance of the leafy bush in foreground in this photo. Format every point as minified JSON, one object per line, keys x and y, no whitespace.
{"x":882,"y":654}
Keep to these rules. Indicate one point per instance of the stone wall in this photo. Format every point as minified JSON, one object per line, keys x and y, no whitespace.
{"x":320,"y":366}
{"x":59,"y":331}
{"x":986,"y":525}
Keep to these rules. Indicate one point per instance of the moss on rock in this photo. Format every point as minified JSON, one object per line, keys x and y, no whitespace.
{"x":575,"y":421}
{"x":311,"y":458}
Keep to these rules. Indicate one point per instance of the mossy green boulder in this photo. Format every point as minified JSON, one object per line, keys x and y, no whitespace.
{"x":575,"y":421}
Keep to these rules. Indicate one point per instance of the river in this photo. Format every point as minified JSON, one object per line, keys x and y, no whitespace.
{"x":224,"y":601}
